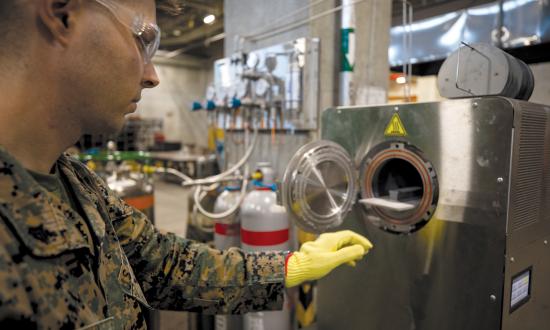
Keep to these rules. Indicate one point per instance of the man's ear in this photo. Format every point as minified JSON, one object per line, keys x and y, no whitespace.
{"x":58,"y":17}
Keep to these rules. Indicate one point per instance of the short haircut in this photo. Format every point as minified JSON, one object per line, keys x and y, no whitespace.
{"x":10,"y":25}
{"x":9,"y":10}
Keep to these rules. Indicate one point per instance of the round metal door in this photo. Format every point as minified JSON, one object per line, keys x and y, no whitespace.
{"x":319,"y":186}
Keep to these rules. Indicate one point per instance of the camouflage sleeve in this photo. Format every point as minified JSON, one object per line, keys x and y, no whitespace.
{"x":180,"y":274}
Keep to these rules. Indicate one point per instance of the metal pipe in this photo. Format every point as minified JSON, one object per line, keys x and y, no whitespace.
{"x":347,"y":52}
{"x":407,"y":47}
{"x":224,"y":176}
{"x":409,"y":71}
{"x":500,"y":23}
{"x":283,"y":18}
{"x":220,"y":177}
{"x":198,"y":198}
{"x":206,"y":42}
{"x":292,"y":26}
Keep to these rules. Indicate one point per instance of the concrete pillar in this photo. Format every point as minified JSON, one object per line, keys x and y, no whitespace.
{"x":327,"y":30}
{"x":371,"y":72}
{"x":372,"y":38}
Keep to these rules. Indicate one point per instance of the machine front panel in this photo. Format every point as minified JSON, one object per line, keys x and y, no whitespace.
{"x":447,"y":273}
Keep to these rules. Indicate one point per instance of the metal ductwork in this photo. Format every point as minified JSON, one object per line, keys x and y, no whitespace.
{"x":522,"y":22}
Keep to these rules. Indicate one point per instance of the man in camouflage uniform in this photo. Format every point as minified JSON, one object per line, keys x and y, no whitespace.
{"x":72,"y":254}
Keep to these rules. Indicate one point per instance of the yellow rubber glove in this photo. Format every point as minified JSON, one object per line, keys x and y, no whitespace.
{"x":318,"y":258}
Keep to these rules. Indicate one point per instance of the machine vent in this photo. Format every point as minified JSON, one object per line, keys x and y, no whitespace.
{"x":546,"y":177}
{"x":528,"y":188}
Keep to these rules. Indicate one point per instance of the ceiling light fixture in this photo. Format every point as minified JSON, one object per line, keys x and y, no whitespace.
{"x":209,"y":19}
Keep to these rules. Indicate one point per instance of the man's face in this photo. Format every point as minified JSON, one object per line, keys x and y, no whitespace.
{"x":104,"y":71}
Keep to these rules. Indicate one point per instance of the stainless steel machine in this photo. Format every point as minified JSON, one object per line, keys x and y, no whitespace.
{"x":455,"y":197}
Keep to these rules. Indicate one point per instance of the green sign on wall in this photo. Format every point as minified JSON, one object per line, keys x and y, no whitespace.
{"x":348,"y":49}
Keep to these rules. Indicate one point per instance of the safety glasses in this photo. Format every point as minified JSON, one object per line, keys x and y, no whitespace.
{"x":147,"y":34}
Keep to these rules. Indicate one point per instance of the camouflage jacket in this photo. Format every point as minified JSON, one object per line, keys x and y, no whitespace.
{"x":51,"y":278}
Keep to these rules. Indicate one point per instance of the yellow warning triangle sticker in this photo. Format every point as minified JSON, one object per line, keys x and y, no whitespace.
{"x":395,"y":127}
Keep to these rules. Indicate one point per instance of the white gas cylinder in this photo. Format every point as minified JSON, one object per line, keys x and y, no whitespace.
{"x":227,"y":230}
{"x":265,"y":227}
{"x":227,"y":235}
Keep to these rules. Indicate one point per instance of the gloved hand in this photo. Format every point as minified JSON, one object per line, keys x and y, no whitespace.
{"x":318,"y":258}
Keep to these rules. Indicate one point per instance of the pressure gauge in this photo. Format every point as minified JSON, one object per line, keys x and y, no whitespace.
{"x":241,"y":89}
{"x":262,"y":87}
{"x":210,"y":93}
{"x":253,"y":60}
{"x":271,"y":62}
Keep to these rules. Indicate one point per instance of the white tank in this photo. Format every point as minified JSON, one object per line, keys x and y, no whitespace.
{"x":264,"y":224}
{"x":265,"y":227}
{"x":226,"y":235}
{"x":227,"y":230}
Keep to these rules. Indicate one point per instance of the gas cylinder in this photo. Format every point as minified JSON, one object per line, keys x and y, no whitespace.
{"x":227,"y":235}
{"x":227,"y":230}
{"x":264,"y":227}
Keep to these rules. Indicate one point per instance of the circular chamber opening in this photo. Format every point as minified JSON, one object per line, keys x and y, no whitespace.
{"x":399,"y":187}
{"x":399,"y":181}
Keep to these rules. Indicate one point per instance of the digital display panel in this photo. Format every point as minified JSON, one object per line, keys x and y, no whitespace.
{"x":521,"y":289}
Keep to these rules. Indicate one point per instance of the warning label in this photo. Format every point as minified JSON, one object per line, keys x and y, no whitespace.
{"x":395,"y":127}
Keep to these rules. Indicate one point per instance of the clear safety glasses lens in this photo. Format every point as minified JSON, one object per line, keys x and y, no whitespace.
{"x":148,"y":36}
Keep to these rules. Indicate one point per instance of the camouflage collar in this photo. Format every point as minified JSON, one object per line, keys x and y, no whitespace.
{"x":87,"y":192}
{"x":41,"y":220}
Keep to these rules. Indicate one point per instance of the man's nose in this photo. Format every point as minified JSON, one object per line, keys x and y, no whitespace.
{"x":150,"y":77}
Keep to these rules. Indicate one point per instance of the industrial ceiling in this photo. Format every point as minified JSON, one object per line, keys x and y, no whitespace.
{"x":185,"y":31}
